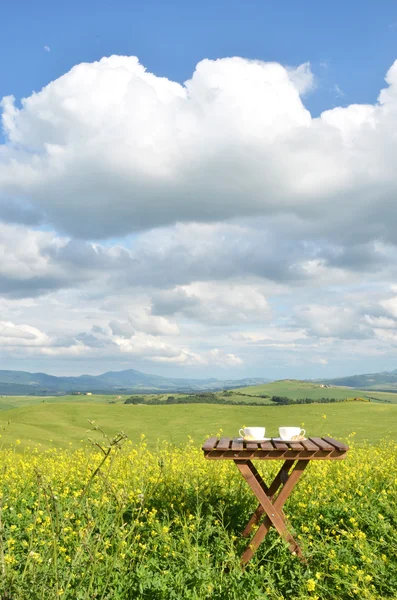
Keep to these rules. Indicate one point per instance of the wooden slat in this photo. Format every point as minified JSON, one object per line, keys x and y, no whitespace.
{"x":252,"y":445}
{"x":210,"y":444}
{"x":266,"y":446}
{"x":325,"y":446}
{"x":237,"y":445}
{"x":308,"y":445}
{"x":224,"y":443}
{"x":315,"y":448}
{"x":297,"y":446}
{"x":280,"y":445}
{"x":274,"y":455}
{"x":338,"y":445}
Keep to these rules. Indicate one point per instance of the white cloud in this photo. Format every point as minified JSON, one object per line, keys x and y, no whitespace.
{"x":320,"y":361}
{"x":390,"y":306}
{"x":302,"y":78}
{"x":220,"y":358}
{"x":234,"y":141}
{"x":143,"y":320}
{"x":263,"y":237}
{"x":336,"y":321}
{"x":214,"y":357}
{"x":338,"y":92}
{"x":216,"y":303}
{"x":47,"y":48}
{"x":12,"y":335}
{"x":272,"y":336}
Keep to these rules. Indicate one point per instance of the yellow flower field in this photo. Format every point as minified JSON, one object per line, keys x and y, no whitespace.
{"x":123,"y":522}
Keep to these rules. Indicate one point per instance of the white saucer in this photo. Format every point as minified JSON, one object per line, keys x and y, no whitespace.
{"x":279,"y":439}
{"x":240,"y":439}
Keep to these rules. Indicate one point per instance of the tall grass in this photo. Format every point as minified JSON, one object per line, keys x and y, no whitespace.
{"x":123,"y":522}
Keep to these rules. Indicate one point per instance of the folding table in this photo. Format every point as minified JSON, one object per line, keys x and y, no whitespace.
{"x":296,"y":457}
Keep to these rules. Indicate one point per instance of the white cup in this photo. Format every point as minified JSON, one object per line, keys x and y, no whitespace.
{"x":252,"y":433}
{"x":288,"y":433}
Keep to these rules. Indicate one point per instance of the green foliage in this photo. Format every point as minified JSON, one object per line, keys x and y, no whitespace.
{"x":200,"y":398}
{"x":129,"y":524}
{"x":283,"y":400}
{"x":213,"y":398}
{"x":307,"y":389}
{"x":135,"y":400}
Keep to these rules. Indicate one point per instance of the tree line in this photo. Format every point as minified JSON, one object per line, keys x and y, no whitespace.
{"x":211,"y":398}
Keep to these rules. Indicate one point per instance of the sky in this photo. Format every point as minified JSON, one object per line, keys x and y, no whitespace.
{"x":199,"y":189}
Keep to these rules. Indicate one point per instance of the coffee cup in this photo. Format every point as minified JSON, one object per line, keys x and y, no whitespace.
{"x":252,"y":433}
{"x":290,"y":433}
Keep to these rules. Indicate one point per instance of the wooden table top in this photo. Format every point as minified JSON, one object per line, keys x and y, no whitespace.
{"x":313,"y":448}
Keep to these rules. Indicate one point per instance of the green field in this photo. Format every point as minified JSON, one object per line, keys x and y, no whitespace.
{"x":63,"y":421}
{"x":62,"y":424}
{"x":158,"y":519}
{"x":290,"y":388}
{"x":9,"y":402}
{"x":301,"y":389}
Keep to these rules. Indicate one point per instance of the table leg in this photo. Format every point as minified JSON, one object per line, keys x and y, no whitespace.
{"x":274,"y":512}
{"x":280,"y":478}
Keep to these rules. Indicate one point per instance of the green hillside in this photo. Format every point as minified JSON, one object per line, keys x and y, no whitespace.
{"x":62,"y":424}
{"x":388,"y":397}
{"x":9,"y":402}
{"x":386,"y":380}
{"x":64,"y":420}
{"x":296,"y":389}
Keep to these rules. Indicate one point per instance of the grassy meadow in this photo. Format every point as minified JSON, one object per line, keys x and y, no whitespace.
{"x":10,"y":402}
{"x":65,"y":424}
{"x":143,"y":516}
{"x":304,"y":389}
{"x":123,"y":522}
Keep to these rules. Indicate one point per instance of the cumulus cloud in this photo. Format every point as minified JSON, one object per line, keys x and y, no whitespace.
{"x":219,"y":357}
{"x":271,"y":336}
{"x":358,"y":317}
{"x":230,"y":260}
{"x":390,"y":306}
{"x":233,"y":141}
{"x":34,"y":262}
{"x":333,"y":321}
{"x":12,"y":335}
{"x":143,"y":321}
{"x":25,"y":340}
{"x":214,"y":303}
{"x":209,"y":224}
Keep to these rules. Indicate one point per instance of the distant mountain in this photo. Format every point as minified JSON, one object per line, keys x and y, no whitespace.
{"x":386,"y":380}
{"x":16,"y":383}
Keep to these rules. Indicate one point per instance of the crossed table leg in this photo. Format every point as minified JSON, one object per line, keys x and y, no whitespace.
{"x":286,"y":478}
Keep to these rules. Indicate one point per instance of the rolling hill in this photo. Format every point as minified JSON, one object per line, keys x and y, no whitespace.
{"x":385,"y":380}
{"x":65,"y":425}
{"x":15,"y":383}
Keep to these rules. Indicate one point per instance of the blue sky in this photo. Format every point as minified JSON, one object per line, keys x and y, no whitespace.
{"x":349,"y":44}
{"x":218,"y":229}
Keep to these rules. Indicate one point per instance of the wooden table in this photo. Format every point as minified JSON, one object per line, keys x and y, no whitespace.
{"x":296,"y":457}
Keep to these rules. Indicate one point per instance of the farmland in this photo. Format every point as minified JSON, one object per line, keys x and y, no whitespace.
{"x":305,"y":389}
{"x":64,"y":424}
{"x":158,"y":522}
{"x":166,"y":525}
{"x":63,"y":421}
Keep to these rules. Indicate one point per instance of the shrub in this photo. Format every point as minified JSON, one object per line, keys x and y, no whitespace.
{"x":136,"y":400}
